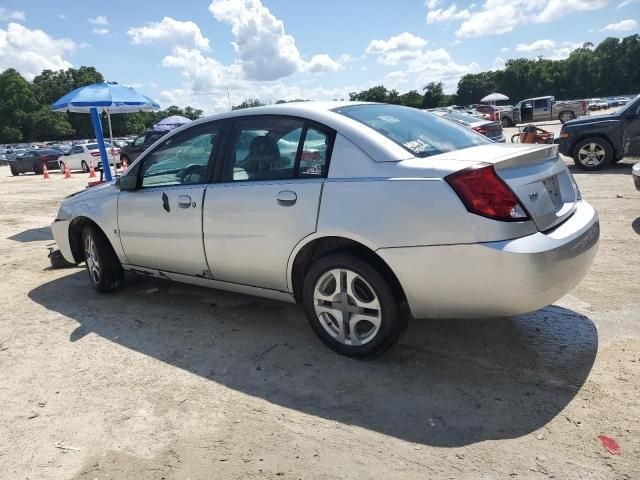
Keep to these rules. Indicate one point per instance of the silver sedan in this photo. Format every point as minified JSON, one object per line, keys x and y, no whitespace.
{"x":367,"y":214}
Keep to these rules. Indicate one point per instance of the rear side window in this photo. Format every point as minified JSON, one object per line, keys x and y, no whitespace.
{"x":420,"y":132}
{"x":541,"y":103}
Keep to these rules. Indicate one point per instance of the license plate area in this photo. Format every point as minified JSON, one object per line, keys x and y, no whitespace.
{"x":552,"y":186}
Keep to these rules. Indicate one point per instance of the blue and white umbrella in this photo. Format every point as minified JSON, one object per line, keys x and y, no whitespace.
{"x":109,"y":97}
{"x":174,"y":121}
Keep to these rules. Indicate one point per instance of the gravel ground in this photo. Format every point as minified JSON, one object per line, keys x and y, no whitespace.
{"x":165,"y":381}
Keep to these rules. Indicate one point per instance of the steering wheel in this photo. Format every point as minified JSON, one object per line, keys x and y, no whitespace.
{"x":187,"y":172}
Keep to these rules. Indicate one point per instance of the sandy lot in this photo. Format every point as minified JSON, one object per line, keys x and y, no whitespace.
{"x":164,"y":381}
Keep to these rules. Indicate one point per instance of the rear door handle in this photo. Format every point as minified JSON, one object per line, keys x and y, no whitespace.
{"x":286,"y":198}
{"x":184,"y":201}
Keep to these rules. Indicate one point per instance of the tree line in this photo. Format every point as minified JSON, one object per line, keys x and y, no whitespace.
{"x":25,"y":108}
{"x":610,"y":68}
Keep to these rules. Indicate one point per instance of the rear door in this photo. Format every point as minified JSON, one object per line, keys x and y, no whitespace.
{"x":541,"y":109}
{"x":631,"y":131}
{"x":266,"y":200}
{"x":160,"y":223}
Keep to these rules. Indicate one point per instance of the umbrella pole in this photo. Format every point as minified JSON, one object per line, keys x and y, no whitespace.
{"x":97,"y":128}
{"x":111,"y":141}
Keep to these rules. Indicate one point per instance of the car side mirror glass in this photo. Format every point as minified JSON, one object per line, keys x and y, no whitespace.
{"x":127,"y":183}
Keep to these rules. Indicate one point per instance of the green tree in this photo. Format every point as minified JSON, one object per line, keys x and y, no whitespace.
{"x":433,"y":95}
{"x":251,"y":102}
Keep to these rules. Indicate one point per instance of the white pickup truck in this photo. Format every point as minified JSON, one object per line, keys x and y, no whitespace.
{"x":542,"y":109}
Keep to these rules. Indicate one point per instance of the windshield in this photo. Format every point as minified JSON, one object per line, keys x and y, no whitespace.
{"x":628,"y":105}
{"x":420,"y":132}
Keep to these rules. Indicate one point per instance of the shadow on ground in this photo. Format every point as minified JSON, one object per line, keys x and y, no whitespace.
{"x":448,"y":383}
{"x":33,"y":235}
{"x":620,"y":168}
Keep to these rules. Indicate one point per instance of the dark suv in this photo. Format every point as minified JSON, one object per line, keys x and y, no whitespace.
{"x":140,"y":144}
{"x":595,"y":142}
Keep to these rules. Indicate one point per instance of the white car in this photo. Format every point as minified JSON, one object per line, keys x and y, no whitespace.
{"x":81,"y":156}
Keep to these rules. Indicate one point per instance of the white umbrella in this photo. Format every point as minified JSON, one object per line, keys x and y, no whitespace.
{"x":494,"y":97}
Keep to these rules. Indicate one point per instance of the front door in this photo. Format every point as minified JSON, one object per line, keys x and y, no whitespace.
{"x":631,"y":131}
{"x":160,"y":223}
{"x":541,"y":109}
{"x":267,"y":200}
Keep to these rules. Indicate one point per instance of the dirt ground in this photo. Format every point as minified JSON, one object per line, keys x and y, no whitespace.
{"x":165,"y":381}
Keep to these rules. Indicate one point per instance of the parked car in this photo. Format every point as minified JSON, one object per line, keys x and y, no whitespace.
{"x":489,"y":129}
{"x":596,"y":142}
{"x":33,"y":161}
{"x":598,"y":104}
{"x":383,"y":213}
{"x":130,"y":152}
{"x":80,"y":156}
{"x":14,"y":153}
{"x":635,"y":173}
{"x":543,"y":109}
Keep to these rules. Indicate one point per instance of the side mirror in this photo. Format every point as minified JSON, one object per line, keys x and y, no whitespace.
{"x":638,"y":112}
{"x":127,"y":183}
{"x":66,"y":153}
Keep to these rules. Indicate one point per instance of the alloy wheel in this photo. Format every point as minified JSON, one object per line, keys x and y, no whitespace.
{"x":591,"y":154}
{"x":347,"y":306}
{"x":91,"y":257}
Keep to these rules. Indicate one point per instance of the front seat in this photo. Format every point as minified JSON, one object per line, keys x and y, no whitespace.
{"x":263,"y":154}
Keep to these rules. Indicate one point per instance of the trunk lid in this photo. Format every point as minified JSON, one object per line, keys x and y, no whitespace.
{"x":535,"y":174}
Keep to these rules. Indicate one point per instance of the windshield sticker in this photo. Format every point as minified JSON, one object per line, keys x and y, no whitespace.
{"x":417,"y":146}
{"x":388,"y":119}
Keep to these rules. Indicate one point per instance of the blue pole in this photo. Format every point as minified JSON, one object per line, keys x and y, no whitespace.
{"x":97,"y":128}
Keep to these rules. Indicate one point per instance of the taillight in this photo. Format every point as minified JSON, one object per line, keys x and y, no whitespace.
{"x":484,"y":193}
{"x":95,"y":154}
{"x":481,"y":130}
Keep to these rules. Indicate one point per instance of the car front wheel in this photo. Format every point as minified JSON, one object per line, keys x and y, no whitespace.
{"x":14,"y":170}
{"x":103,"y":266}
{"x":566,"y":116}
{"x":592,"y":154}
{"x":85,"y":167}
{"x":352,"y":307}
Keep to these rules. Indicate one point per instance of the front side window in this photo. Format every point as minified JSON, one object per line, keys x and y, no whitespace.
{"x":542,"y":103}
{"x":153,"y":137}
{"x":263,"y":149}
{"x":139,"y":140}
{"x":182,"y":159}
{"x":420,"y":132}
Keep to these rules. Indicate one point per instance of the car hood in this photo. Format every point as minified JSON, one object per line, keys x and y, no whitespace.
{"x":106,"y":189}
{"x":591,"y":119}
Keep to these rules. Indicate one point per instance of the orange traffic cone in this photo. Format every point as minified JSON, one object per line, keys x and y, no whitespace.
{"x":124,"y":165}
{"x":92,"y":171}
{"x":45,"y":172}
{"x":67,"y":172}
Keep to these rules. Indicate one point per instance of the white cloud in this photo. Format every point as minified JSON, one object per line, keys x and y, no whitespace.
{"x":171,"y":31}
{"x":623,"y":26}
{"x":31,"y":51}
{"x":625,"y":3}
{"x":555,"y":9}
{"x":202,"y":72}
{"x":321,"y":63}
{"x":62,"y":16}
{"x":498,"y":64}
{"x":438,"y":66}
{"x":397,"y":49}
{"x":100,"y":31}
{"x":265,"y":50}
{"x":11,"y":15}
{"x":537,"y":46}
{"x":99,"y":20}
{"x":431,"y":4}
{"x":447,"y":15}
{"x":563,"y":52}
{"x":504,"y":49}
{"x":497,"y":16}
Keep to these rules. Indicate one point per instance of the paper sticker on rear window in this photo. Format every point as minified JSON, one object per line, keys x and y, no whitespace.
{"x":388,"y":119}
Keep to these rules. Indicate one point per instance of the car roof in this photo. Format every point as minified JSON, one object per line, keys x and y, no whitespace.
{"x":374,"y":144}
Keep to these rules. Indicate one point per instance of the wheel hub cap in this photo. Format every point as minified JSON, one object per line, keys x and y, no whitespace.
{"x":91,"y":257}
{"x":347,"y":307}
{"x":591,"y":154}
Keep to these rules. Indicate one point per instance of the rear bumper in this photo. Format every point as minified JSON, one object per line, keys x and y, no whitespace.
{"x":60,"y":230}
{"x":497,"y":278}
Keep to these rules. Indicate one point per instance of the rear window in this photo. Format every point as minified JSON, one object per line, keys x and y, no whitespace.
{"x":420,"y":132}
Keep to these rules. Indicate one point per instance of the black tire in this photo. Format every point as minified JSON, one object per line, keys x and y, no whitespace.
{"x":566,"y":116}
{"x":109,"y":275}
{"x":14,"y":171}
{"x":506,"y":122}
{"x":515,"y":138}
{"x":84,"y":166}
{"x":600,"y":144}
{"x":393,"y":318}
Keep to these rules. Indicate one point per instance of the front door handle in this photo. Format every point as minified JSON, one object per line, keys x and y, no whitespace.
{"x":286,"y":198}
{"x":165,"y":202}
{"x":184,"y":201}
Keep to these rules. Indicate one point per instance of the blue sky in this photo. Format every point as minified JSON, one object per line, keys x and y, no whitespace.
{"x":191,"y":52}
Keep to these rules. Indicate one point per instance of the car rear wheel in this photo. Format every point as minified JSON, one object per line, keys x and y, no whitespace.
{"x":566,"y":116}
{"x":103,"y":266}
{"x":592,"y":154}
{"x":506,"y":122}
{"x":37,"y":169}
{"x":85,"y":167}
{"x":352,"y":307}
{"x":14,"y":171}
